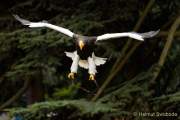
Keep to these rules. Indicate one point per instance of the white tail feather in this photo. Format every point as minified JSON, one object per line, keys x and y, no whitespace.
{"x":84,"y":64}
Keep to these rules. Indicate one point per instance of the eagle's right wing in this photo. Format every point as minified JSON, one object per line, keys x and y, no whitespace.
{"x":44,"y":24}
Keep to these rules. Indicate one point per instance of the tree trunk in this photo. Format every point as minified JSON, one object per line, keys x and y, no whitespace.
{"x":35,"y":92}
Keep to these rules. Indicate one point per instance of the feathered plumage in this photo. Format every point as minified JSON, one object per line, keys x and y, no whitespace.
{"x":84,"y":63}
{"x":44,"y":24}
{"x":134,"y":35}
{"x":84,"y":55}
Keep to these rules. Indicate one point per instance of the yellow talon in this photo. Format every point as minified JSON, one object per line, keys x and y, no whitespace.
{"x":91,"y":77}
{"x":71,"y":76}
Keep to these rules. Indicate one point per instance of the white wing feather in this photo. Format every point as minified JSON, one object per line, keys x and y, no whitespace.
{"x":137,"y":36}
{"x":98,"y":60}
{"x":84,"y":63}
{"x":44,"y":24}
{"x":70,"y":54}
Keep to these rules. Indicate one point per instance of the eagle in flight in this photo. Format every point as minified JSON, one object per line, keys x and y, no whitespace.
{"x":84,"y":55}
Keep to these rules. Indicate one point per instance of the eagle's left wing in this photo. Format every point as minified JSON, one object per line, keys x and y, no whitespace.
{"x":134,"y":35}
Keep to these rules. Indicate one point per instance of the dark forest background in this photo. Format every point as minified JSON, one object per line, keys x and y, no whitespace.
{"x":138,"y":76}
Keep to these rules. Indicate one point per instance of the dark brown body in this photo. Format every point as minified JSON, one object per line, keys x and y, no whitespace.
{"x":89,"y":44}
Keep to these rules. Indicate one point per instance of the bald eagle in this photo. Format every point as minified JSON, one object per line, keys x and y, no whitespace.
{"x":84,"y":55}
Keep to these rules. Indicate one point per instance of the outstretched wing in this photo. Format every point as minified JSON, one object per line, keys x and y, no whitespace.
{"x":44,"y":24}
{"x":134,"y":35}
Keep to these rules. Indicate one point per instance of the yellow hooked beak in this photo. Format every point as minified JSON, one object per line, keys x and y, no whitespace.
{"x":81,"y":44}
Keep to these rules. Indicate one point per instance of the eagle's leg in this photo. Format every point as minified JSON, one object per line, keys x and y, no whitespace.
{"x":92,"y":68}
{"x":74,"y":67}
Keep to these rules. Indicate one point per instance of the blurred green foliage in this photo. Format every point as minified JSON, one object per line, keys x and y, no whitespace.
{"x":38,"y":55}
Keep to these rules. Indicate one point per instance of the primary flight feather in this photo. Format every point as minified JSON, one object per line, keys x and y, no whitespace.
{"x":84,"y":55}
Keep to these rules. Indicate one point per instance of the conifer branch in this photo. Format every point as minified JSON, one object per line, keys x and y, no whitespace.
{"x":136,"y":28}
{"x":115,"y":69}
{"x":166,"y":48}
{"x":16,"y":96}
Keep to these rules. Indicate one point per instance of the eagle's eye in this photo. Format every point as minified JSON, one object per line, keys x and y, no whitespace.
{"x":81,"y":44}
